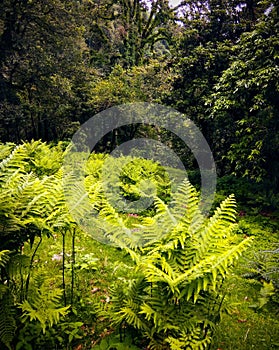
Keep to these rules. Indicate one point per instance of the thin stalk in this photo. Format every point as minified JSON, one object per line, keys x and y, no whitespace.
{"x":21,"y":294}
{"x":73,"y":265}
{"x":30,"y":266}
{"x":63,"y":267}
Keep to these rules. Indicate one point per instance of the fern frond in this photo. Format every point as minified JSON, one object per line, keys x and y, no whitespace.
{"x":129,"y":313}
{"x":17,"y":160}
{"x":215,"y":231}
{"x":186,"y":201}
{"x":44,"y":304}
{"x":6,"y":149}
{"x":7,"y":319}
{"x":4,"y":257}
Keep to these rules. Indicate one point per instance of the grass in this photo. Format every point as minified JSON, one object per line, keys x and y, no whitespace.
{"x":244,"y":327}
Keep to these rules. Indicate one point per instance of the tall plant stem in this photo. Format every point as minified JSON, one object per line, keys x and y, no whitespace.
{"x":63,"y":267}
{"x":73,"y":265}
{"x":30,"y":266}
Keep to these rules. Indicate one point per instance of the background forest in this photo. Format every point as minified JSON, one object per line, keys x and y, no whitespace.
{"x":215,"y":61}
{"x":62,"y":62}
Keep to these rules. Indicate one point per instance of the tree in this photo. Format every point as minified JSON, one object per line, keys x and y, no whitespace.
{"x":245,"y":102}
{"x":41,"y":68}
{"x":218,"y":20}
{"x":211,"y":30}
{"x":125,"y":31}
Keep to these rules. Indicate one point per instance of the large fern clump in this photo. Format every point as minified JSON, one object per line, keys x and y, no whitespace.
{"x":174,"y":300}
{"x":32,"y":204}
{"x":31,"y":192}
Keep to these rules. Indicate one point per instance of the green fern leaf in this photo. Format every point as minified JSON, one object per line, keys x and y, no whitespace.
{"x":7,"y":319}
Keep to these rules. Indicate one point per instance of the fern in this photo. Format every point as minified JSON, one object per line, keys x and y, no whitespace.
{"x":5,"y":150}
{"x":32,"y":203}
{"x":176,"y":297}
{"x":4,"y":257}
{"x":35,"y":204}
{"x":16,"y":160}
{"x":44,"y":304}
{"x":7,"y":319}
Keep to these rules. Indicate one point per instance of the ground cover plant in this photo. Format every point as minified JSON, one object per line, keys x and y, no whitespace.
{"x":61,"y":289}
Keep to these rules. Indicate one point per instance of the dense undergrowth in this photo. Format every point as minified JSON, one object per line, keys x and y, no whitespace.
{"x":180,"y":288}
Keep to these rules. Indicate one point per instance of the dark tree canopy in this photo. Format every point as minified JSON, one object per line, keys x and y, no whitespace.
{"x":214,"y":60}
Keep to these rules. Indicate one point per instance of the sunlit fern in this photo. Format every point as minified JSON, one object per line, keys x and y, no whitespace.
{"x":175,"y":297}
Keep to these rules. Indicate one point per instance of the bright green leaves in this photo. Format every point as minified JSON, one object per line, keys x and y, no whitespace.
{"x":32,"y":197}
{"x":44,"y":305}
{"x":176,"y":292}
{"x":143,"y":83}
{"x":4,"y":257}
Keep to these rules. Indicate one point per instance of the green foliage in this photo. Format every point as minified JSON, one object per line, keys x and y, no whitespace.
{"x":7,"y":317}
{"x":140,"y":170}
{"x":5,"y":150}
{"x":4,"y":257}
{"x":252,"y":197}
{"x":175,"y":297}
{"x":128,"y":32}
{"x":144,"y":83}
{"x":245,"y":101}
{"x":35,"y":205}
{"x":44,"y":68}
{"x":85,"y":262}
{"x":113,"y":342}
{"x":127,"y":180}
{"x":59,"y":336}
{"x":266,"y":292}
{"x":32,"y":205}
{"x":265,"y":268}
{"x":44,"y":159}
{"x":43,"y":305}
